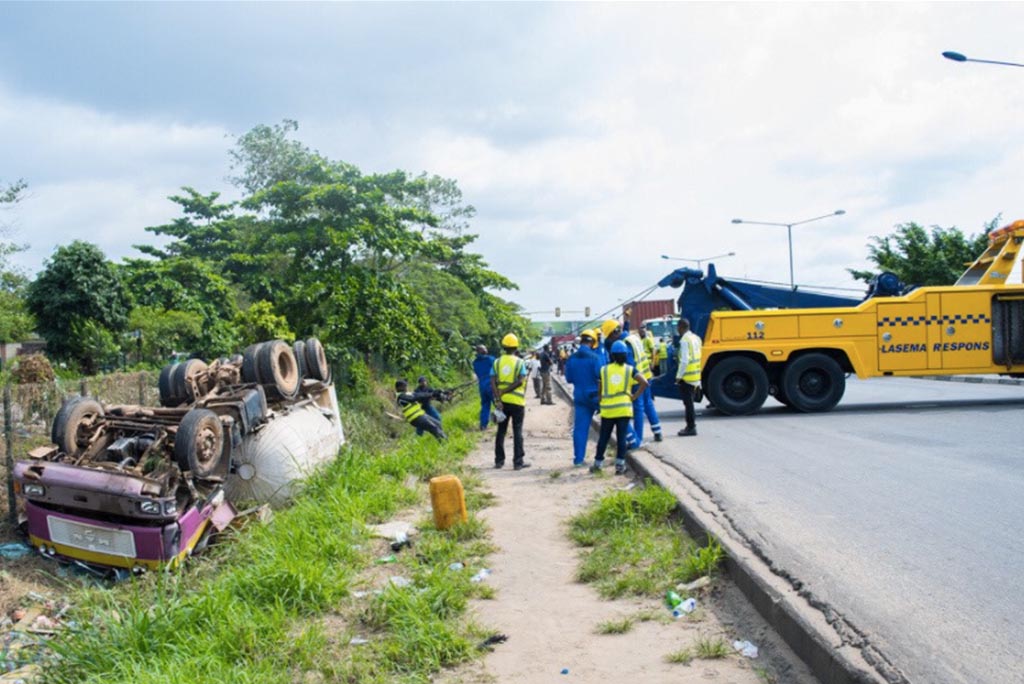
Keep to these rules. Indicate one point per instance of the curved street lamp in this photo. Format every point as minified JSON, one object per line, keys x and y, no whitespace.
{"x":699,"y":261}
{"x":957,"y":57}
{"x":789,"y":233}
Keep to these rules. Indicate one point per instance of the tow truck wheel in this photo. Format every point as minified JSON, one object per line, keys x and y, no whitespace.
{"x":199,"y":444}
{"x":813,"y":382}
{"x":737,"y":386}
{"x":316,"y":360}
{"x":75,"y":424}
{"x":278,"y":368}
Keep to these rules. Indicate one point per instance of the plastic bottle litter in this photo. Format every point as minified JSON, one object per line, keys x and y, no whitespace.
{"x":688,"y":606}
{"x":358,"y":641}
{"x":15,"y":550}
{"x":672,"y":599}
{"x":400,"y":581}
{"x":480,"y":576}
{"x":745,"y":648}
{"x":456,"y":566}
{"x":386,"y":559}
{"x":565,"y":670}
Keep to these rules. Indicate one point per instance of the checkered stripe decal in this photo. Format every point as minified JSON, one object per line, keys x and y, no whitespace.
{"x":904,"y":321}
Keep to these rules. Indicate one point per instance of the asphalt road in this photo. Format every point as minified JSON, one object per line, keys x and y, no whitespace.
{"x":900,"y":508}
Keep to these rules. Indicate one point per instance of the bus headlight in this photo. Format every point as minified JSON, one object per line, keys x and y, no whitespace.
{"x":35,"y":490}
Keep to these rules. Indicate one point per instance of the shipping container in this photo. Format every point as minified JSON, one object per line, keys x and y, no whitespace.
{"x":649,"y":308}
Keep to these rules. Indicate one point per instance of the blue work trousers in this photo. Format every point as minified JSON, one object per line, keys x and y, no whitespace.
{"x":644,"y":406}
{"x":486,"y":398}
{"x":581,"y":430}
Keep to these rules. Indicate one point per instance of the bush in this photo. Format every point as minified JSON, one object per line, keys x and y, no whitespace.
{"x":32,"y":370}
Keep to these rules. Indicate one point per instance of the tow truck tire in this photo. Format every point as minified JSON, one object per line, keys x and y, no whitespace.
{"x":199,"y":444}
{"x":250,"y":368}
{"x":737,"y":386}
{"x":316,"y":361}
{"x":72,"y":426}
{"x":299,"y":349}
{"x":278,"y":368}
{"x":813,"y":383}
{"x":164,"y":384}
{"x":180,"y":380}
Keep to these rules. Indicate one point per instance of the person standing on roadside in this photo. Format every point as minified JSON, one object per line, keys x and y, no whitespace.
{"x":547,"y":360}
{"x":583,"y":371}
{"x":482,"y":365}
{"x":508,"y":384}
{"x":615,"y":383}
{"x":533,"y":368}
{"x":688,"y":375}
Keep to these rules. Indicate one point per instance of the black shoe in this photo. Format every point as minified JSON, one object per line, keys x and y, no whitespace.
{"x":657,"y":436}
{"x":620,"y":469}
{"x":596,"y":468}
{"x":687,"y":432}
{"x":499,"y":466}
{"x":520,"y":466}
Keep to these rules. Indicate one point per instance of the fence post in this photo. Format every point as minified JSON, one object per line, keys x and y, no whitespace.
{"x":83,"y":388}
{"x":9,"y":443}
{"x":142,"y":388}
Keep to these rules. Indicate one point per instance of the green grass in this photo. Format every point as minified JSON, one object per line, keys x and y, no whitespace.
{"x":636,"y":546}
{"x":620,"y":626}
{"x":709,"y":648}
{"x":681,"y":657}
{"x":256,"y":609}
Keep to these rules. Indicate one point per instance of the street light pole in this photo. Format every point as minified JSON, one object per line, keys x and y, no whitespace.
{"x":957,"y":57}
{"x":789,"y":235}
{"x":699,"y":261}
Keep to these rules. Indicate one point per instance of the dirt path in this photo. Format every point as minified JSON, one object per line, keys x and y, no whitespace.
{"x":551,"y":619}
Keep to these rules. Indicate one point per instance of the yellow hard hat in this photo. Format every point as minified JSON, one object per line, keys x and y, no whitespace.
{"x":588,"y":333}
{"x":510,"y":341}
{"x":608,"y":327}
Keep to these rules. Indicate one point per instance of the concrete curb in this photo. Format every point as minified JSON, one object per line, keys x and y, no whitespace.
{"x":833,"y":650}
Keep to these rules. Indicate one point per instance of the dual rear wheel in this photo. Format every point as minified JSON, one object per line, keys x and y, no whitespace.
{"x":738,"y":385}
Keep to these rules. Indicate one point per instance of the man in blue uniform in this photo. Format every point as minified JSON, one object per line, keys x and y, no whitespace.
{"x":482,"y":366}
{"x":582,"y":370}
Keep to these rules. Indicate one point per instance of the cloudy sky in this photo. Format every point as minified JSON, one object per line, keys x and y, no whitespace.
{"x":591,"y":138}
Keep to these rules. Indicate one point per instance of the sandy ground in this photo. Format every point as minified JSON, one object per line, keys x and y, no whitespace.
{"x":550,"y":619}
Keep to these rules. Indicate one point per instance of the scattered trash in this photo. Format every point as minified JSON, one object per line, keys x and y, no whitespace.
{"x":456,"y":566}
{"x":394,"y":530}
{"x":492,"y":640}
{"x":688,"y":606}
{"x":399,"y":581}
{"x":386,"y":559}
{"x":698,"y":583}
{"x":672,"y":599}
{"x":360,"y":594}
{"x":745,"y":648}
{"x":480,"y":576}
{"x":401,"y":541}
{"x":499,"y":415}
{"x":15,"y":550}
{"x":565,"y":670}
{"x":358,"y":641}
{"x":628,"y":487}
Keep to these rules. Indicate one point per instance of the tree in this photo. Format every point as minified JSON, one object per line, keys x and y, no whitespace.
{"x":15,"y":321}
{"x":79,"y":302}
{"x":920,"y":257}
{"x":164,"y":331}
{"x":260,"y":322}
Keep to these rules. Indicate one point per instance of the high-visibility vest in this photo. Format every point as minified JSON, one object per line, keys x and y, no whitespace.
{"x":691,"y":374}
{"x":616,"y":401}
{"x":643,"y":364}
{"x":412,"y":410}
{"x":650,"y":348}
{"x":662,"y":350}
{"x":508,"y":369}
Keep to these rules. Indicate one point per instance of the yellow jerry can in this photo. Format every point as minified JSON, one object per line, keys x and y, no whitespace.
{"x":448,"y":501}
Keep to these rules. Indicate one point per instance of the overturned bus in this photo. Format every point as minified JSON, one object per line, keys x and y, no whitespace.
{"x":138,"y":487}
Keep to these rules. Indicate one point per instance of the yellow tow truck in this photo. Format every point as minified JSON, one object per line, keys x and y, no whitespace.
{"x":803,"y":355}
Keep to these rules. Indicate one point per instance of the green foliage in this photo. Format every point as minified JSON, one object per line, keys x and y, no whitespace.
{"x":15,"y":321}
{"x":920,"y":257}
{"x":619,"y":626}
{"x":79,"y":302}
{"x":164,"y":332}
{"x":259,"y":322}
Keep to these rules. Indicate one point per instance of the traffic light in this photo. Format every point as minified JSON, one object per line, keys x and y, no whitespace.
{"x":586,"y":312}
{"x":558,"y":311}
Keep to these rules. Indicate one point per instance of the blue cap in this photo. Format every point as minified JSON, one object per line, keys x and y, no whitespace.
{"x":619,"y":347}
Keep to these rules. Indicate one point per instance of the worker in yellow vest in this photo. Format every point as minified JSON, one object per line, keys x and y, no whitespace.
{"x":412,"y":410}
{"x":661,"y":351}
{"x":688,"y":375}
{"x":644,"y":406}
{"x":647,"y":338}
{"x":615,"y":386}
{"x":508,"y":384}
